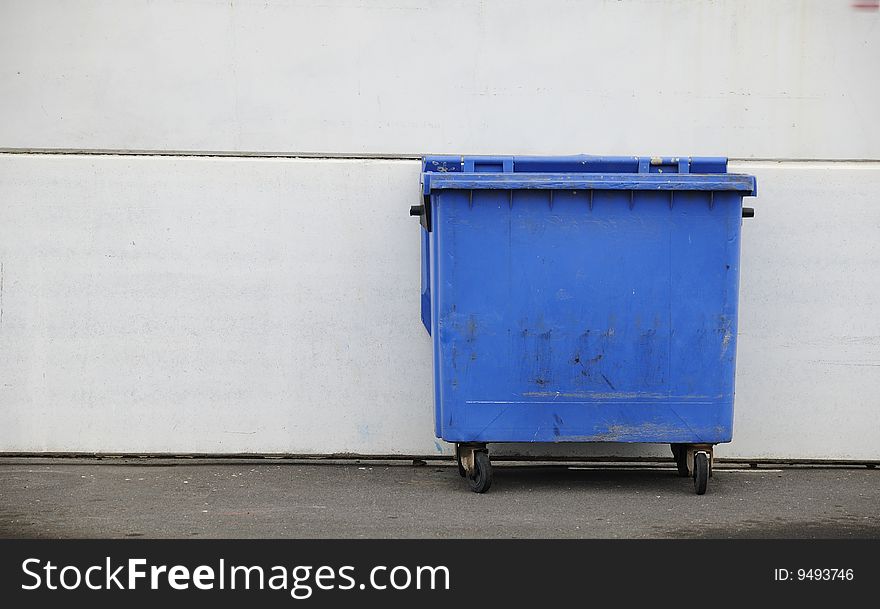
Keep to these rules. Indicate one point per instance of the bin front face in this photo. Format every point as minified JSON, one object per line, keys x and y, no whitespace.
{"x":592,"y":315}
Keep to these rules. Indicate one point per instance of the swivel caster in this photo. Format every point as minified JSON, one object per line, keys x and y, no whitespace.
{"x":679,"y":452}
{"x":473,"y":464}
{"x":461,"y":470}
{"x":701,"y":471}
{"x":481,"y":478}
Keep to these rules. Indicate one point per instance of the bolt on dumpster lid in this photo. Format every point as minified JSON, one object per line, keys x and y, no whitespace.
{"x":582,"y":172}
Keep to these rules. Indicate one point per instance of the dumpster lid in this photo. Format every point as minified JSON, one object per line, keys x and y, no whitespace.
{"x":582,"y":172}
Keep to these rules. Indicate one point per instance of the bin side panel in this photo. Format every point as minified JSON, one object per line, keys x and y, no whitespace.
{"x":430,"y":243}
{"x":426,"y":279}
{"x":579,"y":316}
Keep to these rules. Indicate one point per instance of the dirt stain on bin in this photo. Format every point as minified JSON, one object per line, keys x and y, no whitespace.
{"x":471,"y":334}
{"x":543,"y":358}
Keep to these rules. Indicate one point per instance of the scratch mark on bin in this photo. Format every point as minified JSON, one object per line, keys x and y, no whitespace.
{"x":589,"y":359}
{"x":725,"y":341}
{"x":642,"y":431}
{"x":489,"y":424}
{"x":582,"y":401}
{"x":685,"y":423}
{"x":608,"y":382}
{"x":621,"y":395}
{"x":724,"y":328}
{"x":586,"y":366}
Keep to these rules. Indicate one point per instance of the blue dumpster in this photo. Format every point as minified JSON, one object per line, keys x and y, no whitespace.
{"x":582,"y":299}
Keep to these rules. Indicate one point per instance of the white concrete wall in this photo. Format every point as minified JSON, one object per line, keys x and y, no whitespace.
{"x":740,"y":78}
{"x":808,"y":362}
{"x":196,"y":304}
{"x":204,"y":305}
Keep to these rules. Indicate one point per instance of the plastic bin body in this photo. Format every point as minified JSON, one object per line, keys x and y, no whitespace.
{"x":582,"y":299}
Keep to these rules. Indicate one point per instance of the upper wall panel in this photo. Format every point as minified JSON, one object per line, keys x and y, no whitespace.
{"x":748,"y":79}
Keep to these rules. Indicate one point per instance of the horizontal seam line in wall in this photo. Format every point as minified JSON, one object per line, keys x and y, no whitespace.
{"x":339,"y":155}
{"x":131,"y":458}
{"x":212,"y":154}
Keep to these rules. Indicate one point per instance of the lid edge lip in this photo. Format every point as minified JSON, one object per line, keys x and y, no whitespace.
{"x":590,"y":181}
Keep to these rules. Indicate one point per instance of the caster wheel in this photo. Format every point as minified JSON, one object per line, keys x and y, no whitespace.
{"x":461,"y":470}
{"x":680,"y":454}
{"x":481,"y":479}
{"x":701,"y":472}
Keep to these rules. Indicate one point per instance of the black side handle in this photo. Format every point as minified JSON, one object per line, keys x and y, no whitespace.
{"x":748,"y":212}
{"x":423,"y":211}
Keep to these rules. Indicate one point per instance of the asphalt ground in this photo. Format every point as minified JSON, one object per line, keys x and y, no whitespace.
{"x":264,"y":498}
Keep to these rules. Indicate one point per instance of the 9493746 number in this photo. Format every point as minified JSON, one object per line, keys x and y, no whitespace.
{"x":816,"y":574}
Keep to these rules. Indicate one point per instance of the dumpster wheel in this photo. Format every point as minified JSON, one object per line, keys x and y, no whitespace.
{"x":461,"y":470}
{"x":701,"y":471}
{"x":481,"y":478}
{"x":679,"y":452}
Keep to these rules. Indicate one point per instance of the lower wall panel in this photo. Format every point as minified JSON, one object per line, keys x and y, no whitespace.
{"x":234,"y":305}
